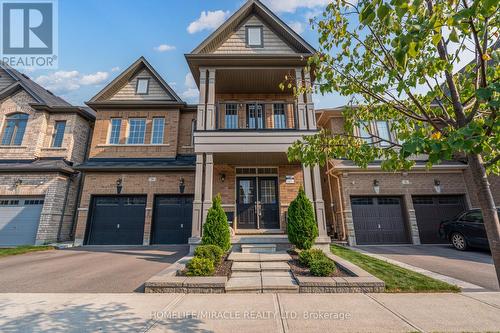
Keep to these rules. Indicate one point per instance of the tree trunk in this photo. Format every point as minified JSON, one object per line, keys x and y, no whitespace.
{"x":487,"y":205}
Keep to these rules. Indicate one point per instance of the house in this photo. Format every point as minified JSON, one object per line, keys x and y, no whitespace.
{"x":41,"y":137}
{"x":370,"y":206}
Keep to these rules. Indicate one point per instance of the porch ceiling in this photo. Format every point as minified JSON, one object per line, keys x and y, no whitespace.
{"x":251,"y":159}
{"x":251,"y":80}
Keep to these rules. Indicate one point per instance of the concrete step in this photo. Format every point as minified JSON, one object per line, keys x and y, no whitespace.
{"x":245,"y":267}
{"x":258,"y":257}
{"x":276,"y":284}
{"x":274,"y":266}
{"x":244,"y":285}
{"x":258,"y":248}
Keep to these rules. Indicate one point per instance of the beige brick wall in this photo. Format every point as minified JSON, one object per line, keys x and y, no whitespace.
{"x":494,"y":186}
{"x":133,"y":184}
{"x":186,"y":132}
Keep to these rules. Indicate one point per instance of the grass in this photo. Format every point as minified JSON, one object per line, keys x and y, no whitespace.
{"x":397,"y":279}
{"x":23,"y":250}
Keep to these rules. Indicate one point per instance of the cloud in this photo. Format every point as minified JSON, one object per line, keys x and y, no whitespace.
{"x":208,"y":20}
{"x":290,"y":6}
{"x":189,"y":81}
{"x":66,"y":81}
{"x":191,"y":93}
{"x":298,"y":27}
{"x":164,"y":48}
{"x":115,"y":69}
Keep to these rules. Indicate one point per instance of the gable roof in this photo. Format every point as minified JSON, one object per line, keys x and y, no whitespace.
{"x":294,"y":40}
{"x":129,"y":73}
{"x":39,"y":94}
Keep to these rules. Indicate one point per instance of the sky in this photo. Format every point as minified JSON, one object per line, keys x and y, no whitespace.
{"x":100,"y":38}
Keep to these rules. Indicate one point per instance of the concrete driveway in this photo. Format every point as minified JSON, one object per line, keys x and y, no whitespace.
{"x":86,"y":269}
{"x":472,"y":266}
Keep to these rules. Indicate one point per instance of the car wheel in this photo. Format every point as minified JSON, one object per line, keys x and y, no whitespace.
{"x":459,"y":242}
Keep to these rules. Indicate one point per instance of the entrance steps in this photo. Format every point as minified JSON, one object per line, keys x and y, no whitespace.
{"x":258,"y":248}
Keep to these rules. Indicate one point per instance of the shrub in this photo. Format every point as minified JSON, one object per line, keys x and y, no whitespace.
{"x":200,"y":267}
{"x":302,"y":227}
{"x":307,"y":256}
{"x":322,"y":267}
{"x":216,"y":229}
{"x":212,"y":252}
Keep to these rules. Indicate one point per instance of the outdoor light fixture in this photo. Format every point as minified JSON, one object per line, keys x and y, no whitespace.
{"x":18,"y":182}
{"x":182,"y":185}
{"x":376,"y":186}
{"x":119,"y":185}
{"x":437,"y":185}
{"x":222,"y":177}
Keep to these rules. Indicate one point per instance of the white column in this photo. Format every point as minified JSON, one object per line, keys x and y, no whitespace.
{"x":301,"y":106}
{"x":319,"y":202}
{"x":198,"y":203}
{"x":211,"y":100}
{"x":311,"y":117}
{"x":200,"y":123}
{"x":308,"y":182}
{"x":209,"y":175}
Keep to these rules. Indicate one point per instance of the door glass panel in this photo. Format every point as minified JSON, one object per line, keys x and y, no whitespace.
{"x":246,"y":192}
{"x":255,"y":116}
{"x":268,"y":191}
{"x":361,"y":201}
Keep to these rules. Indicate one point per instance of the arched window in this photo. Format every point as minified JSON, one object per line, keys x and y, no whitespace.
{"x":14,"y":128}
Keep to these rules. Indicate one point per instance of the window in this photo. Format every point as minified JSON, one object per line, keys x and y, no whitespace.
{"x":142,"y":86}
{"x":254,"y":37}
{"x":473,"y":217}
{"x":58,"y":136}
{"x":255,"y":116}
{"x":114,"y":135}
{"x":231,"y":118}
{"x":388,"y":201}
{"x":361,"y":201}
{"x":15,"y":126}
{"x":364,"y":132}
{"x":158,"y":130}
{"x":279,"y":116}
{"x":384,"y":133}
{"x":137,"y":131}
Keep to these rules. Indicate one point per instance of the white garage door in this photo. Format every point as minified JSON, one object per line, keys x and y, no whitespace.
{"x":19,"y":218}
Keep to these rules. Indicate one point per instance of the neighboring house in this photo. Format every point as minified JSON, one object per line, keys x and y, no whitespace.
{"x":41,"y":137}
{"x":139,"y":177}
{"x":370,"y":206}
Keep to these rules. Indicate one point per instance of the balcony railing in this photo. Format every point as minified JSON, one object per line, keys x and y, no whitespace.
{"x":256,"y":116}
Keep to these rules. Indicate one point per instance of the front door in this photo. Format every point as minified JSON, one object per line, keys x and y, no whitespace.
{"x":258,"y":203}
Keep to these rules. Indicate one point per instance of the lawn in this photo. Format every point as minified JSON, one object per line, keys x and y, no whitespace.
{"x":23,"y":250}
{"x":397,"y":279}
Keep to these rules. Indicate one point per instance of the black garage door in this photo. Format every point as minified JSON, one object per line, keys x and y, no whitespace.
{"x":173,"y":216}
{"x":431,"y":210}
{"x":379,"y":220}
{"x":117,"y":220}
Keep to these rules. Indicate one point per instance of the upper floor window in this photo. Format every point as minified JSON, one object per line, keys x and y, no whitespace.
{"x":254,"y":36}
{"x":231,"y":118}
{"x":142,"y":86}
{"x":279,"y":116}
{"x":137,"y":131}
{"x":158,"y":131}
{"x":58,"y":136}
{"x":13,"y":132}
{"x":364,"y":132}
{"x":384,"y":133}
{"x":114,"y":134}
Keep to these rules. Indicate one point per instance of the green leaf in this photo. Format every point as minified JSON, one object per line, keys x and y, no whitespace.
{"x":454,"y":36}
{"x":412,"y":51}
{"x":484,"y":94}
{"x":383,"y":11}
{"x":436,"y":38}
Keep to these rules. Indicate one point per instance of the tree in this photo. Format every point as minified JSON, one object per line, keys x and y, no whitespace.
{"x":302,"y":226}
{"x":216,"y":229}
{"x":397,"y":61}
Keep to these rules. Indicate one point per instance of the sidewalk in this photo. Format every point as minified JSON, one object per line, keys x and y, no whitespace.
{"x":250,"y":313}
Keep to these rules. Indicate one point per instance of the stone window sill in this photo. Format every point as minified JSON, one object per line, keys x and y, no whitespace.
{"x":54,"y":148}
{"x":128,"y":146}
{"x":13,"y":147}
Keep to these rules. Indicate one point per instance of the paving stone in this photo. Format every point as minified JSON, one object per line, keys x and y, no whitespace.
{"x":258,"y":248}
{"x":245,"y":267}
{"x":245,"y":274}
{"x":279,"y":284}
{"x":244,"y":283}
{"x":244,"y":257}
{"x":274,"y":266}
{"x":275,"y":257}
{"x":277,"y":274}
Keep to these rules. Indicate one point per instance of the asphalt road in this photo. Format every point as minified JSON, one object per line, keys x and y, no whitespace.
{"x":474,"y":266}
{"x":86,"y":269}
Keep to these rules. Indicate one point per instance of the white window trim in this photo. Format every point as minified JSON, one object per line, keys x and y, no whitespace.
{"x":110,"y":128}
{"x":128,"y":132}
{"x":153,"y":131}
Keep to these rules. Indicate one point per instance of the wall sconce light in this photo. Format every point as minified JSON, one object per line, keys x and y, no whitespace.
{"x":119,"y":185}
{"x":222,"y":177}
{"x":376,"y":186}
{"x":18,"y":182}
{"x":437,"y":185}
{"x":182,"y":185}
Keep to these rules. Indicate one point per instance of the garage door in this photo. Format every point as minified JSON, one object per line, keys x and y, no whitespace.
{"x":431,"y":210}
{"x":117,"y":220}
{"x":19,"y":218}
{"x":379,"y":220}
{"x":172,"y":219}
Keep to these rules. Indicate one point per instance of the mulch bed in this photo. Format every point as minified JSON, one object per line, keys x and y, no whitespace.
{"x":301,"y":270}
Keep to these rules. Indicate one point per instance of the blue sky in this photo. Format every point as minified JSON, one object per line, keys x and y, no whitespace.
{"x":100,"y":38}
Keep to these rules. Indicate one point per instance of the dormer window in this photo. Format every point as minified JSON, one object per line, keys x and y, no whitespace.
{"x":142,"y":86}
{"x":254,"y":36}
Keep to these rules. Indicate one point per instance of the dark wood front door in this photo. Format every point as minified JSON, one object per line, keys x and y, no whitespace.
{"x":258,"y":203}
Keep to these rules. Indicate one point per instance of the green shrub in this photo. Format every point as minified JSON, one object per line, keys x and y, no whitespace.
{"x":216,"y":229}
{"x":212,"y":252}
{"x":322,"y":267}
{"x":307,"y":256}
{"x":302,"y":227}
{"x":200,"y":267}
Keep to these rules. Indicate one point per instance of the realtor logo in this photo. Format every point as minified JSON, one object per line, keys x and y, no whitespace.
{"x":29,"y":33}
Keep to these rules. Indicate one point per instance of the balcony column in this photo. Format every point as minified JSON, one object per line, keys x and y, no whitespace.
{"x":323,"y":240}
{"x":311,"y":117}
{"x":197,"y":203}
{"x":308,"y":186}
{"x":209,"y":175}
{"x":211,"y":100}
{"x":200,"y":124}
{"x":301,"y":106}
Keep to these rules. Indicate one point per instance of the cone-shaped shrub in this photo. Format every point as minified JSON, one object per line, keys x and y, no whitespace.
{"x":302,"y":227}
{"x":216,"y":229}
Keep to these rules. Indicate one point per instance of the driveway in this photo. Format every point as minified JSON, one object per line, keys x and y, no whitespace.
{"x":475,"y":267}
{"x":86,"y":269}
